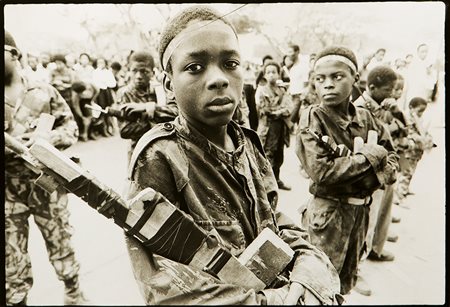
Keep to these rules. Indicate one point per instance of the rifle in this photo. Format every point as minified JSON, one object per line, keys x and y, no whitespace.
{"x":341,"y":150}
{"x":120,"y":113}
{"x":161,"y":225}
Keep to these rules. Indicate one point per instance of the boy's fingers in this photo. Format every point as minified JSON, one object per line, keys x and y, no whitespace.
{"x":296,"y":290}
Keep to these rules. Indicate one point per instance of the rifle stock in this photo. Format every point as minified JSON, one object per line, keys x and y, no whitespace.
{"x":161,"y":225}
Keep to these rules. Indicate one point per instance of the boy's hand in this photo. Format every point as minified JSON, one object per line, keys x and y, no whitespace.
{"x":296,"y":291}
{"x":29,"y":138}
{"x":138,"y":110}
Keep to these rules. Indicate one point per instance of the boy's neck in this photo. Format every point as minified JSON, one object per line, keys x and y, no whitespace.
{"x":342,"y":109}
{"x":216,"y":135}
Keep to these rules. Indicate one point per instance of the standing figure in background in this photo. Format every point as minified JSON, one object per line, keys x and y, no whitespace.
{"x":83,"y":69}
{"x":419,"y":140}
{"x":62,"y":78}
{"x":139,"y":102}
{"x":343,"y":177}
{"x":23,"y":198}
{"x":378,"y":100}
{"x":34,"y":72}
{"x":419,"y":76}
{"x":103,"y":79}
{"x":275,"y":106}
{"x":249,"y":94}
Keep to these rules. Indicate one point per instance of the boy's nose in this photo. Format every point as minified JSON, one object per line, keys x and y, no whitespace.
{"x":217,"y":80}
{"x":328,"y":83}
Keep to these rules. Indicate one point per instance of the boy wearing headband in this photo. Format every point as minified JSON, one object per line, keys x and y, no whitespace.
{"x":215,"y":171}
{"x":341,"y":184}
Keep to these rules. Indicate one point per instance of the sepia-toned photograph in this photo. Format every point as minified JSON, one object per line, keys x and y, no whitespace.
{"x":224,"y":154}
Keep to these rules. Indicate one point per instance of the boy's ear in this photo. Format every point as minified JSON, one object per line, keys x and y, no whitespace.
{"x":357,"y":77}
{"x":167,"y":85}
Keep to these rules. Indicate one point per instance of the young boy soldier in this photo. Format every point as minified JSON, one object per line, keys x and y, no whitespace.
{"x":378,"y":99}
{"x":23,"y":106}
{"x":138,"y":99}
{"x":419,"y":140}
{"x":274,"y":105}
{"x":342,"y":185}
{"x":215,"y":171}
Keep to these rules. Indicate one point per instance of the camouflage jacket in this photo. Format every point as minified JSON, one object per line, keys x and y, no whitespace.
{"x":40,"y":98}
{"x":234,"y":196}
{"x":390,"y":117}
{"x":273,"y":104}
{"x":357,"y":175}
{"x":135,"y":129}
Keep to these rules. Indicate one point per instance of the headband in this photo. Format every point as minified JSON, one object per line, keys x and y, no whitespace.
{"x":335,"y":57}
{"x":182,"y":36}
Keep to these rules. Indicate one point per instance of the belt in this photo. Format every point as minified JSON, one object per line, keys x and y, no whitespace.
{"x":351,"y":200}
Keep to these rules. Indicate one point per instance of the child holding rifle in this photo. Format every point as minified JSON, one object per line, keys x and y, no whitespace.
{"x":215,"y":171}
{"x":341,"y":183}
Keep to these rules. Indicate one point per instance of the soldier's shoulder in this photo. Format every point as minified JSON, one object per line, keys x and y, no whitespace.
{"x":308,"y":113}
{"x":162,"y":132}
{"x":162,"y":137}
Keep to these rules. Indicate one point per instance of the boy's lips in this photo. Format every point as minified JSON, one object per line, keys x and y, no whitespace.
{"x":330,"y":95}
{"x":221,"y":101}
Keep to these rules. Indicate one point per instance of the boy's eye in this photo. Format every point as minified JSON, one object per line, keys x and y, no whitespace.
{"x":194,"y":67}
{"x":319,"y":79}
{"x":338,"y":77}
{"x":232,"y":64}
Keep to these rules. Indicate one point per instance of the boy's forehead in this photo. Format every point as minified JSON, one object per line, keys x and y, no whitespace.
{"x":197,"y":34}
{"x":331,"y":66}
{"x":139,"y":64}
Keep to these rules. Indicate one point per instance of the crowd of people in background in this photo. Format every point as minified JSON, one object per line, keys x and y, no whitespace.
{"x":276,"y":93}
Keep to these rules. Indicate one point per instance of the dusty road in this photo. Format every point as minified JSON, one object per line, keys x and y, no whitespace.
{"x":417,"y":276}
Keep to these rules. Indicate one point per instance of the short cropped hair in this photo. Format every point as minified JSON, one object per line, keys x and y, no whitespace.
{"x":267,"y":57}
{"x":59,"y":57}
{"x":143,"y":56}
{"x":381,"y":75}
{"x":338,"y":50}
{"x":381,"y":49}
{"x":179,"y":22}
{"x":9,"y":40}
{"x":272,"y":63}
{"x":416,"y":102}
{"x":95,"y":62}
{"x":294,"y":47}
{"x":116,"y":66}
{"x":78,"y":87}
{"x":86,"y":54}
{"x":422,"y":45}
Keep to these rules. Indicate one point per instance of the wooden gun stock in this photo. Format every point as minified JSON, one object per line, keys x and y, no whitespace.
{"x":161,"y":226}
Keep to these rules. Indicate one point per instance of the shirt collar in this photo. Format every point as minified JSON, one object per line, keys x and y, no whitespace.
{"x":137,"y":93}
{"x":343,"y":123}
{"x":370,"y":103}
{"x":192,"y":134}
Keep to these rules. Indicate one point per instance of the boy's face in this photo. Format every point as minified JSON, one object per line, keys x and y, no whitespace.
{"x":32,"y":62}
{"x":271,"y":74}
{"x":380,"y":93}
{"x":206,"y":77}
{"x":333,"y":81}
{"x":140,"y":74}
{"x":418,"y":110}
{"x":398,"y":89}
